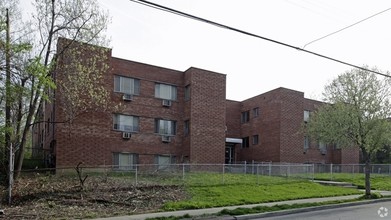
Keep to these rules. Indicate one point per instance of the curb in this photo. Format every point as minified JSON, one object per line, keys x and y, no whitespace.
{"x":308,"y":209}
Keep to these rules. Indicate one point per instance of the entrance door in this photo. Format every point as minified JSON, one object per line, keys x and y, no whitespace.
{"x":229,"y":154}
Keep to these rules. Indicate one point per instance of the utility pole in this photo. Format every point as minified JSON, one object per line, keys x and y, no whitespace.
{"x":8,"y":143}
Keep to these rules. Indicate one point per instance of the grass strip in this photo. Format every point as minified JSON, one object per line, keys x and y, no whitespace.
{"x":241,"y":194}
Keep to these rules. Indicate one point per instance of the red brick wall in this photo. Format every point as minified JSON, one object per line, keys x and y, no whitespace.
{"x":91,"y":138}
{"x":292,"y":118}
{"x":207,"y":116}
{"x":279,"y":127}
{"x":266,"y":125}
{"x":233,"y":125}
{"x":350,"y":155}
{"x":233,"y":119}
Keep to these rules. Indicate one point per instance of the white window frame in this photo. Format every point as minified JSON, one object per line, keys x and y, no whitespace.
{"x":165,"y":127}
{"x":164,"y":162}
{"x":255,"y":139}
{"x":306,"y":115}
{"x":306,"y":143}
{"x":124,"y":161}
{"x":256,"y":112}
{"x":186,"y":126}
{"x":322,"y":147}
{"x":120,"y":84}
{"x":126,"y":123}
{"x":187,"y":92}
{"x":164,"y":91}
{"x":245,"y":117}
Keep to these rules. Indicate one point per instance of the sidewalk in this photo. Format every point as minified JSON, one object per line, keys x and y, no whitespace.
{"x":210,"y":211}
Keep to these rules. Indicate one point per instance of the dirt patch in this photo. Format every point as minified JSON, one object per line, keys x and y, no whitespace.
{"x":62,"y":198}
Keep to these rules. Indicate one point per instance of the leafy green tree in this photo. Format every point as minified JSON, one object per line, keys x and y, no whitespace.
{"x":357,"y":115}
{"x":32,"y":62}
{"x":19,"y":48}
{"x":383,"y":156}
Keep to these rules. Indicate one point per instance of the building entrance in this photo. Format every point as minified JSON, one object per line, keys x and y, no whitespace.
{"x":229,"y":153}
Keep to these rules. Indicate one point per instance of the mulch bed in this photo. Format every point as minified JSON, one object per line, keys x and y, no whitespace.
{"x":51,"y":197}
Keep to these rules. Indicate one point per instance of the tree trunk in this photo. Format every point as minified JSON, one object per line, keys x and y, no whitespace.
{"x":31,"y":113}
{"x":367,"y":178}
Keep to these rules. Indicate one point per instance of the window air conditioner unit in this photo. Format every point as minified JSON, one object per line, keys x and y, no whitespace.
{"x":126,"y":135}
{"x":166,"y":139}
{"x":127,"y":97}
{"x":166,"y":103}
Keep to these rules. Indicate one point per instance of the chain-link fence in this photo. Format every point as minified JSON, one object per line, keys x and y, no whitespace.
{"x":214,"y":174}
{"x":193,"y":174}
{"x":349,"y":171}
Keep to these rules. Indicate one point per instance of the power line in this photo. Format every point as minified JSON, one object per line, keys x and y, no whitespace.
{"x":183,"y":14}
{"x":347,"y":27}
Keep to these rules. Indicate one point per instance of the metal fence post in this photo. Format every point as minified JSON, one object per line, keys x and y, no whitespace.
{"x":331,"y":172}
{"x":313,"y":172}
{"x":270,"y":169}
{"x":353,"y":170}
{"x":257,"y":174}
{"x":252,"y":169}
{"x":223,"y":172}
{"x":183,"y":172}
{"x":136,"y":174}
{"x":245,"y":167}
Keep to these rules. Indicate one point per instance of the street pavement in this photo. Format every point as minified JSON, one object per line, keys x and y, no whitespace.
{"x":211,"y":211}
{"x":378,"y":210}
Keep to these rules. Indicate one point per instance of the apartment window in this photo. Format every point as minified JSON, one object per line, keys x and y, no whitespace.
{"x":322,"y":147}
{"x":255,"y":112}
{"x":187,"y":93}
{"x":245,"y":117}
{"x":164,"y":91}
{"x":306,"y":143}
{"x":306,"y":115}
{"x":126,"y":85}
{"x":245,"y":142}
{"x":186,"y":128}
{"x":255,"y":139}
{"x":125,"y":161}
{"x":126,"y":123}
{"x":165,"y":127}
{"x":164,"y":161}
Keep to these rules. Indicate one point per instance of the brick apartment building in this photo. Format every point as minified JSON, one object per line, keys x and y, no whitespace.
{"x":171,"y":116}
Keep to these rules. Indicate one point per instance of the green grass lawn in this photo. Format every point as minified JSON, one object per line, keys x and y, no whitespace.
{"x":239,"y":189}
{"x":378,"y":181}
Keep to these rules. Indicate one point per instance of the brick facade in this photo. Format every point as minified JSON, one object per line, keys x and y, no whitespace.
{"x":279,"y":127}
{"x":203,"y":121}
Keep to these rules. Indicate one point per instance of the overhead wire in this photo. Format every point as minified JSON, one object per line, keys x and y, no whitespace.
{"x":362,"y":20}
{"x":183,"y":14}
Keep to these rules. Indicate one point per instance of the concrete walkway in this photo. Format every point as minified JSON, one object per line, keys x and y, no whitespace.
{"x":211,"y":211}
